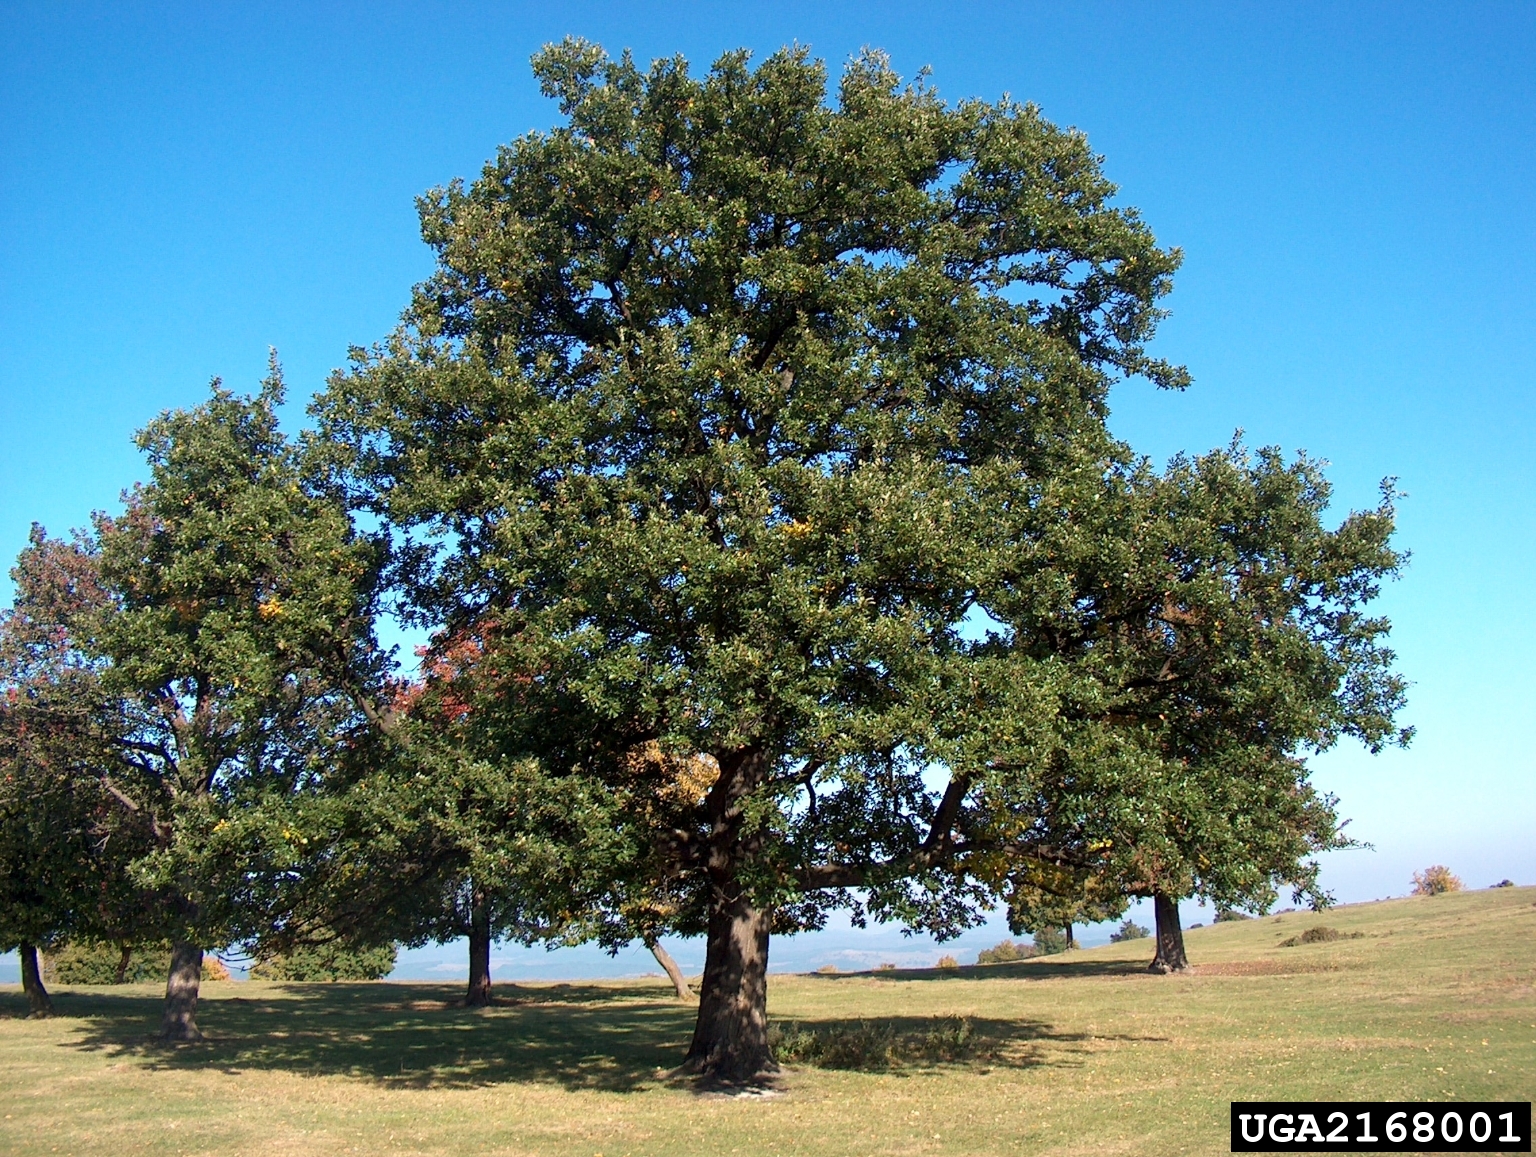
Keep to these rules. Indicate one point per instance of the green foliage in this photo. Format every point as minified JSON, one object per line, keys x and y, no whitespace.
{"x":1435,"y":880}
{"x":1129,"y":930}
{"x":1228,"y":915}
{"x":330,"y":962}
{"x":97,"y":962}
{"x":239,"y":634}
{"x":732,"y":405}
{"x":727,"y":404}
{"x":68,"y":826}
{"x":1228,"y":624}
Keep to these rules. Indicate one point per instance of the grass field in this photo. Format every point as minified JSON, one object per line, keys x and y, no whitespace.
{"x":1083,"y":1053}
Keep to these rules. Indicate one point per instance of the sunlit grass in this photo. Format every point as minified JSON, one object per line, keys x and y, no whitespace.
{"x":1082,"y":1053}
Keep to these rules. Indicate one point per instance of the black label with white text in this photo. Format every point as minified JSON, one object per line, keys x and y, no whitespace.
{"x":1381,"y":1126}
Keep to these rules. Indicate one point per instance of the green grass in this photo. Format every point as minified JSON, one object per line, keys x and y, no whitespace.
{"x":1074,"y":1054}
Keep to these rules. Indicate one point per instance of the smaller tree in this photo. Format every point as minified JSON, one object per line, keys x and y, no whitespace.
{"x":67,"y":834}
{"x":1128,"y":930}
{"x":1434,"y":880}
{"x":1005,"y":952}
{"x":1227,"y":626}
{"x":239,"y":634}
{"x":106,"y":962}
{"x":1050,"y":941}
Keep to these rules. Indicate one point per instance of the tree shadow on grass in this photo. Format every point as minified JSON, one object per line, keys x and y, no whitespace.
{"x":406,"y":1035}
{"x":915,"y":1044}
{"x":600,"y":1037}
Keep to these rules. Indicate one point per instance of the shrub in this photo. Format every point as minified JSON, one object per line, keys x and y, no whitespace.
{"x":97,"y":962}
{"x":828,"y":970}
{"x":1319,"y":935}
{"x":328,"y":962}
{"x":1434,"y":880}
{"x":1505,"y":884}
{"x":867,"y":1044}
{"x":1129,"y":930}
{"x":1223,"y":915}
{"x":947,"y":961}
{"x":885,"y":966}
{"x":1005,"y":952}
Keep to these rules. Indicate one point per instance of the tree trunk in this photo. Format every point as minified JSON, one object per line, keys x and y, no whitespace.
{"x":669,"y":966}
{"x":1170,"y":937}
{"x":38,"y":999}
{"x":125,"y":955}
{"x":479,"y":994}
{"x":730,"y":1037}
{"x":180,"y":1020}
{"x":1071,"y":941}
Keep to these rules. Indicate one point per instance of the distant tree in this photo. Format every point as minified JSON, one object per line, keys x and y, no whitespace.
{"x":1045,"y":895}
{"x":1434,"y":880}
{"x":106,"y":962}
{"x":1128,"y":930}
{"x":1050,"y":941}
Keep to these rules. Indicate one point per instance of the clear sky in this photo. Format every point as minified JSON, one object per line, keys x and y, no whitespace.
{"x":1352,"y":186}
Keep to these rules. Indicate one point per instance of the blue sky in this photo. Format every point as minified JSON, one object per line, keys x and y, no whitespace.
{"x":183,"y":186}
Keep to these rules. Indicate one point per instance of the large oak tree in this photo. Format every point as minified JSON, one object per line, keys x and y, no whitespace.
{"x":724,"y":410}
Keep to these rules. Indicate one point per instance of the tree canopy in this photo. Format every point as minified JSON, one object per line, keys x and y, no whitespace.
{"x":1231,"y":626}
{"x":728,"y":410}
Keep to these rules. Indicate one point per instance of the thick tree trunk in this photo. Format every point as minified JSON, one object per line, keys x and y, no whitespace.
{"x":479,"y":994}
{"x":669,"y":966}
{"x":1170,"y":937}
{"x":125,"y":954}
{"x":730,"y":1039}
{"x":179,"y":1022}
{"x":38,"y":999}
